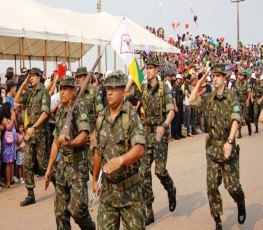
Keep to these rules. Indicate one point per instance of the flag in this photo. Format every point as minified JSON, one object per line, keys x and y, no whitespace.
{"x":62,"y":69}
{"x":121,"y":44}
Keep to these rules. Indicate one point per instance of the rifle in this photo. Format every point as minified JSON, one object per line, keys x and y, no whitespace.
{"x":66,"y":126}
{"x":93,"y":199}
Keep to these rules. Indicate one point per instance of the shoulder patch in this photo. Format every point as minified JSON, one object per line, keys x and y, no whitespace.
{"x":83,"y":116}
{"x":140,"y":126}
{"x":236,"y":109}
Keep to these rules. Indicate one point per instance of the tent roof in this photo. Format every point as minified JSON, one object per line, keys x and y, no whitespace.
{"x":37,"y":23}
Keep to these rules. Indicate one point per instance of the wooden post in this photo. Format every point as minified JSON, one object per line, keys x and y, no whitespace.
{"x":45,"y":60}
{"x":15,"y":64}
{"x":81,"y":53}
{"x":65,"y":49}
{"x":23,"y":52}
{"x":114,"y":61}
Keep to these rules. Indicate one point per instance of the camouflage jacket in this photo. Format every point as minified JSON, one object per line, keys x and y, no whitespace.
{"x":79,"y":123}
{"x":111,"y":143}
{"x":155,"y":105}
{"x":92,"y":100}
{"x":36,"y":101}
{"x":220,"y":111}
{"x":242,"y":88}
{"x":258,"y":90}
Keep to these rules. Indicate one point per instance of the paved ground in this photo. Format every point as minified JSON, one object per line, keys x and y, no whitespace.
{"x":187,"y":167}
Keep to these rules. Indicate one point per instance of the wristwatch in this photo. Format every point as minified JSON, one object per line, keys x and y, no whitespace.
{"x":34,"y":126}
{"x":230,"y":141}
{"x":164,"y":125}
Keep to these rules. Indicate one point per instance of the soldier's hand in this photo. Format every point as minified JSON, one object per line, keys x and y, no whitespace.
{"x":29,"y":133}
{"x":247,"y":103}
{"x":47,"y":179}
{"x":227,"y":150}
{"x":159,"y":133}
{"x":63,"y":140}
{"x":113,"y":164}
{"x":92,"y":139}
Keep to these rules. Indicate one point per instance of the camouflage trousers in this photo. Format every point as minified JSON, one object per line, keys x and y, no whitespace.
{"x":133,"y":217}
{"x":244,"y":113}
{"x":257,"y":110}
{"x":72,"y":201}
{"x":158,"y":153}
{"x":194,"y":116}
{"x":33,"y":152}
{"x":90,"y":158}
{"x":229,"y":171}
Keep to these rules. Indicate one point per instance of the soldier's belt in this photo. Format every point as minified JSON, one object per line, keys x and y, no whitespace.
{"x":128,"y":183}
{"x":74,"y":157}
{"x":217,"y":142}
{"x":150,"y":129}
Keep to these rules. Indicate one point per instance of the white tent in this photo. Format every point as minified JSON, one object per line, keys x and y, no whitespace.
{"x":25,"y":25}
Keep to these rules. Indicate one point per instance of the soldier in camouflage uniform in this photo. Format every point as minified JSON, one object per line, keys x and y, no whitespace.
{"x":159,"y":111}
{"x":92,"y":100}
{"x":71,"y":191}
{"x":257,"y":94}
{"x":119,"y":146}
{"x":222,"y":111}
{"x":37,"y":102}
{"x":243,"y":91}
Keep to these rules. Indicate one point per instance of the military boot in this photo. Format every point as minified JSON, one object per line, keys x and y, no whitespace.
{"x":194,"y":132}
{"x":239,"y":133}
{"x":249,"y":128}
{"x":87,"y":224}
{"x":218,"y":223}
{"x":256,"y":130}
{"x":241,"y":212}
{"x":30,"y":199}
{"x":149,"y":215}
{"x":172,"y":199}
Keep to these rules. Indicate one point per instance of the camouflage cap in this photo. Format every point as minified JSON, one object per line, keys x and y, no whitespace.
{"x":116,"y":79}
{"x":36,"y":71}
{"x":219,"y":68}
{"x":153,"y":61}
{"x":67,"y":81}
{"x":81,"y":71}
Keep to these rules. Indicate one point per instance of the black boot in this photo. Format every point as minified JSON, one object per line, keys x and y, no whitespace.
{"x":249,"y":128}
{"x":218,"y":223}
{"x":182,"y":136}
{"x":194,"y":132}
{"x":256,"y":130}
{"x":239,"y":133}
{"x":149,"y":215}
{"x":172,"y":199}
{"x":241,"y":212}
{"x":87,"y":223}
{"x":30,"y":199}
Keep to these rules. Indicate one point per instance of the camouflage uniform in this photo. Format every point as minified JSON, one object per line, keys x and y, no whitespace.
{"x":242,"y":88}
{"x":92,"y":101}
{"x":257,"y":94}
{"x":121,"y":192}
{"x":155,"y":106}
{"x":36,"y":101}
{"x":220,"y":112}
{"x":71,"y":191}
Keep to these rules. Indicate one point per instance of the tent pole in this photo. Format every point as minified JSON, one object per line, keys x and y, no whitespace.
{"x":81,"y":53}
{"x":106,"y":57}
{"x":29,"y":62}
{"x":45,"y":60}
{"x":56,"y":62}
{"x":69,"y":56}
{"x":15,"y":64}
{"x":114,"y":61}
{"x":65,"y":49}
{"x":23,"y":52}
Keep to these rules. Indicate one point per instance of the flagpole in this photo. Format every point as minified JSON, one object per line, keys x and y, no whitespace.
{"x":98,"y":47}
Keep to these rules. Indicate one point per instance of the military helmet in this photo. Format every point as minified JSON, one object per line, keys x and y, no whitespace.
{"x":81,"y":71}
{"x":67,"y":81}
{"x":116,"y":79}
{"x":36,"y":71}
{"x":153,"y":61}
{"x":219,"y":68}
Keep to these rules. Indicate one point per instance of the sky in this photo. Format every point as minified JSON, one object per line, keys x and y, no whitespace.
{"x":217,"y":18}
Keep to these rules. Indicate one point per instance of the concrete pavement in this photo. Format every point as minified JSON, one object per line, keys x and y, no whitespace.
{"x":187,"y":166}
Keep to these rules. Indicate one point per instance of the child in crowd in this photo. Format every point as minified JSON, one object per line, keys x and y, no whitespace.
{"x":20,"y":152}
{"x":8,"y":143}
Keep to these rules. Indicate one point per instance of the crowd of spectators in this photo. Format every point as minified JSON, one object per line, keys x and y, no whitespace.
{"x":179,"y":71}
